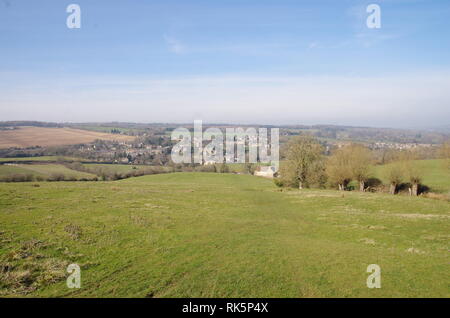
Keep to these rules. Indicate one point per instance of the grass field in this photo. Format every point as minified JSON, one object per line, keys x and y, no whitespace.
{"x":124,"y":168}
{"x":111,"y":168}
{"x":107,"y":129}
{"x":8,"y":170}
{"x":218,"y":235}
{"x":40,"y":136}
{"x":42,"y":158}
{"x":43,"y":170}
{"x":436,"y":174}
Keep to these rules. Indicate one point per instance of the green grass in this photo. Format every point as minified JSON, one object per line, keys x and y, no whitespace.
{"x":124,"y":168}
{"x":41,"y":158}
{"x":218,"y":235}
{"x":436,"y":174}
{"x":111,"y":168}
{"x":43,"y":170}
{"x":106,"y":129}
{"x":8,"y":170}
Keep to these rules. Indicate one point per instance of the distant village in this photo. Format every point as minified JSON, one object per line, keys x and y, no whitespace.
{"x":152,"y":144}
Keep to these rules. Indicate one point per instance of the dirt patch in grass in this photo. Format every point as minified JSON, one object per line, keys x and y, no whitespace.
{"x":25,"y":269}
{"x":74,"y":231}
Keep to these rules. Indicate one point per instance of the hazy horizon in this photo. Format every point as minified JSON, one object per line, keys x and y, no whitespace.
{"x":445,"y":129}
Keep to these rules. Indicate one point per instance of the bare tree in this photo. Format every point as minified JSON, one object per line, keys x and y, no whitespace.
{"x":360,"y":164}
{"x":394,"y":174}
{"x":303,"y":152}
{"x":412,"y":172}
{"x":338,"y":168}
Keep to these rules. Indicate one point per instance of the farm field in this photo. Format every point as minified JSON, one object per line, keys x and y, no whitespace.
{"x":9,"y":170}
{"x":124,"y":168}
{"x":42,"y":170}
{"x":218,"y":235}
{"x":41,"y":136}
{"x":42,"y":158}
{"x":106,"y":129}
{"x":436,"y":174}
{"x":111,"y":168}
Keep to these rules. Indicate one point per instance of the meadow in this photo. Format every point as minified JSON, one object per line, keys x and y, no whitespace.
{"x":111,"y":168}
{"x":43,"y":170}
{"x":435,"y":174}
{"x":218,"y":235}
{"x":42,"y":159}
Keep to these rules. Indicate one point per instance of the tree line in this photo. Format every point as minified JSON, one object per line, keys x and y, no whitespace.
{"x":306,"y":165}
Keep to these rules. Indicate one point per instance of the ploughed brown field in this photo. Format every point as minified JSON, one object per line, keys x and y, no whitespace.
{"x":42,"y":136}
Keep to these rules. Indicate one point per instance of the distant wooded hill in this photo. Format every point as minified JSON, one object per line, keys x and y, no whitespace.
{"x":328,"y":132}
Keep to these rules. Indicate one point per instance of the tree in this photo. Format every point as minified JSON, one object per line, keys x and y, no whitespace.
{"x":394,"y":174}
{"x":338,"y":167}
{"x":300,"y":167}
{"x":249,"y":168}
{"x":412,"y":173}
{"x":360,"y":164}
{"x":223,"y":168}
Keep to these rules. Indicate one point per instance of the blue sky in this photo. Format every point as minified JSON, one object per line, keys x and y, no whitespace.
{"x":263,"y":61}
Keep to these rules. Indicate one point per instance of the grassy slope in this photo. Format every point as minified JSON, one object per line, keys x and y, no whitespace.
{"x":8,"y":170}
{"x":42,"y":158}
{"x":200,"y":234}
{"x":436,"y":174}
{"x":44,"y":170}
{"x":111,"y":168}
{"x":123,"y":168}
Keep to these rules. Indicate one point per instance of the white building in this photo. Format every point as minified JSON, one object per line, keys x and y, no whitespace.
{"x":265,"y":171}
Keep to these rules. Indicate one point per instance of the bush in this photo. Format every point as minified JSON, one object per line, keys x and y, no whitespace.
{"x":18,"y":177}
{"x":223,"y":168}
{"x":278,"y":182}
{"x":249,"y":168}
{"x":56,"y":177}
{"x":206,"y":168}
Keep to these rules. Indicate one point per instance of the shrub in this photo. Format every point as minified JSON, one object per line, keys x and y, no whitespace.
{"x":18,"y":177}
{"x":223,"y":168}
{"x":206,"y":168}
{"x":56,"y":177}
{"x":278,"y":182}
